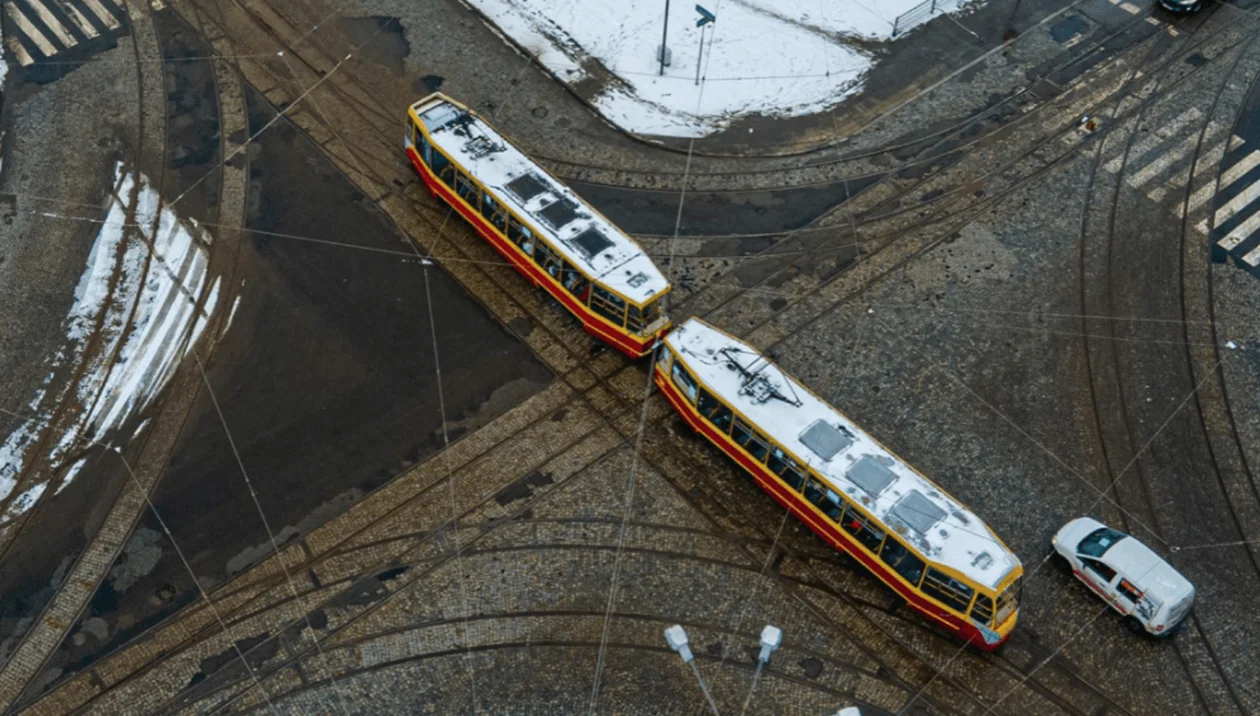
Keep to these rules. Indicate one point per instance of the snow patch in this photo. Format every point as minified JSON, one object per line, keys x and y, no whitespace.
{"x":778,"y":58}
{"x":72,"y":473}
{"x":138,"y":296}
{"x":24,"y":501}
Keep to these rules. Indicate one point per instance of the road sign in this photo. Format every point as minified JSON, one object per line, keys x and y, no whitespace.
{"x":706,"y":17}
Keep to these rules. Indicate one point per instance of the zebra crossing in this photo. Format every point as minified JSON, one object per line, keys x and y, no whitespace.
{"x":1153,"y":164}
{"x":42,"y":29}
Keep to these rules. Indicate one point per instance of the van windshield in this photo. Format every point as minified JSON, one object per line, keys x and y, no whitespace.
{"x":1097,"y":543}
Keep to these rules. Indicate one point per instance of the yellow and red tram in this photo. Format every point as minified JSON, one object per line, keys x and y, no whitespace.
{"x":849,"y":489}
{"x":539,"y":225}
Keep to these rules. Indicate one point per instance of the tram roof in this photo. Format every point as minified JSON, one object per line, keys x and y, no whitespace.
{"x":581,"y":234}
{"x":853,"y":462}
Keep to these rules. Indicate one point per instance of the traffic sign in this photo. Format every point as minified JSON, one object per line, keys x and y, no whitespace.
{"x":706,"y":17}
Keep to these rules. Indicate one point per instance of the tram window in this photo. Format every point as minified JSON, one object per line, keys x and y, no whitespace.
{"x":902,"y":560}
{"x":713,"y":411}
{"x":1100,"y":569}
{"x":547,"y":258}
{"x":856,"y":524}
{"x":947,"y":590}
{"x":751,"y":440}
{"x":824,"y":499}
{"x":493,"y":211}
{"x":521,"y":235}
{"x":574,"y":282}
{"x":982,"y":610}
{"x":635,"y":321}
{"x":444,"y":169}
{"x":664,"y":356}
{"x":684,"y":380}
{"x":783,"y":466}
{"x":609,"y":305}
{"x":465,"y":188}
{"x":651,"y":312}
{"x":422,"y":145}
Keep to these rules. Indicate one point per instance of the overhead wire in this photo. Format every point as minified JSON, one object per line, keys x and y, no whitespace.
{"x":166,"y":530}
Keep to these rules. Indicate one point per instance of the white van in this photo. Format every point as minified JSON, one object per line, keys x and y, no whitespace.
{"x":1127,"y":574}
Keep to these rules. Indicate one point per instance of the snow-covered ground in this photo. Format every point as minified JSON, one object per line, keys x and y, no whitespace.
{"x":138,"y":297}
{"x":770,"y":57}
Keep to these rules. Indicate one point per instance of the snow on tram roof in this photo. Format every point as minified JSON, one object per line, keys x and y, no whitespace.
{"x":582,"y":235}
{"x":849,"y":459}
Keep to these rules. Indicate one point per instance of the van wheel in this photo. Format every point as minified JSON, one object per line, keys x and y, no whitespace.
{"x":1133,"y":625}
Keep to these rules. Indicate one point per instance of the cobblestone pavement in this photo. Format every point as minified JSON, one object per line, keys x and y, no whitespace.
{"x":1022,"y":304}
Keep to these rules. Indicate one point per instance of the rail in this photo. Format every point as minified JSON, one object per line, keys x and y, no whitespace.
{"x":921,"y":13}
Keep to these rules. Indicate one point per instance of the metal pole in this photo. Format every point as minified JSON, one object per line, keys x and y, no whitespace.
{"x":664,"y":37}
{"x":701,"y":55}
{"x":708,"y":697}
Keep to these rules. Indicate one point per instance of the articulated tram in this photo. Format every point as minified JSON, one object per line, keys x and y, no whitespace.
{"x":850,"y":490}
{"x":539,"y":225}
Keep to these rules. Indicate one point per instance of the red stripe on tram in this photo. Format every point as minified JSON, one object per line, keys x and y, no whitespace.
{"x":622,"y":342}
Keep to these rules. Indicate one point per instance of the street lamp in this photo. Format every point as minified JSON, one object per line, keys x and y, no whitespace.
{"x":676,"y":637}
{"x":771,"y":638}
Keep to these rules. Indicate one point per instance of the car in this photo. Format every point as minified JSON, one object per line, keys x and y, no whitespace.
{"x":1182,"y":5}
{"x":1153,"y":596}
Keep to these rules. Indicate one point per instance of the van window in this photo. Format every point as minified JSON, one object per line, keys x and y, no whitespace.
{"x":1100,"y":569}
{"x":1097,"y":543}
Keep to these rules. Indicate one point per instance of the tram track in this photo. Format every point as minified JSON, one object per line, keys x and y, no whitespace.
{"x":66,"y":414}
{"x":227,"y":255}
{"x":1112,"y":363}
{"x":570,"y":343}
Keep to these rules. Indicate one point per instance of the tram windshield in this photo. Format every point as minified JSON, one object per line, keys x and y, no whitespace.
{"x":1008,"y":601}
{"x":640,"y":320}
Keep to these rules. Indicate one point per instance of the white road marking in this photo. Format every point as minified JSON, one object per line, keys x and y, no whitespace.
{"x":1239,"y":168}
{"x":1161,"y":162}
{"x":1240,"y":233}
{"x":1130,"y":8}
{"x":23,"y":57}
{"x":52,"y":23}
{"x":78,"y":19}
{"x":1235,"y":205}
{"x":104,"y":15}
{"x":1153,"y":139}
{"x":28,"y":28}
{"x":1253,"y":257}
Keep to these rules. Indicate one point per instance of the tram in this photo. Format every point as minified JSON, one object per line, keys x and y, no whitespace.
{"x":849,"y":489}
{"x":539,"y":225}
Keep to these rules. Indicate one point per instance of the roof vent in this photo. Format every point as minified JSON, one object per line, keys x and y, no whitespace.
{"x":826,"y":440}
{"x":917,"y":512}
{"x":558,"y":213}
{"x":526,"y":187}
{"x":872,"y":474}
{"x":637,"y":280}
{"x":591,"y":242}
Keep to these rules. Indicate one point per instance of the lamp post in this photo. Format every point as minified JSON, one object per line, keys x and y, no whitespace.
{"x":664,"y":37}
{"x":676,"y":637}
